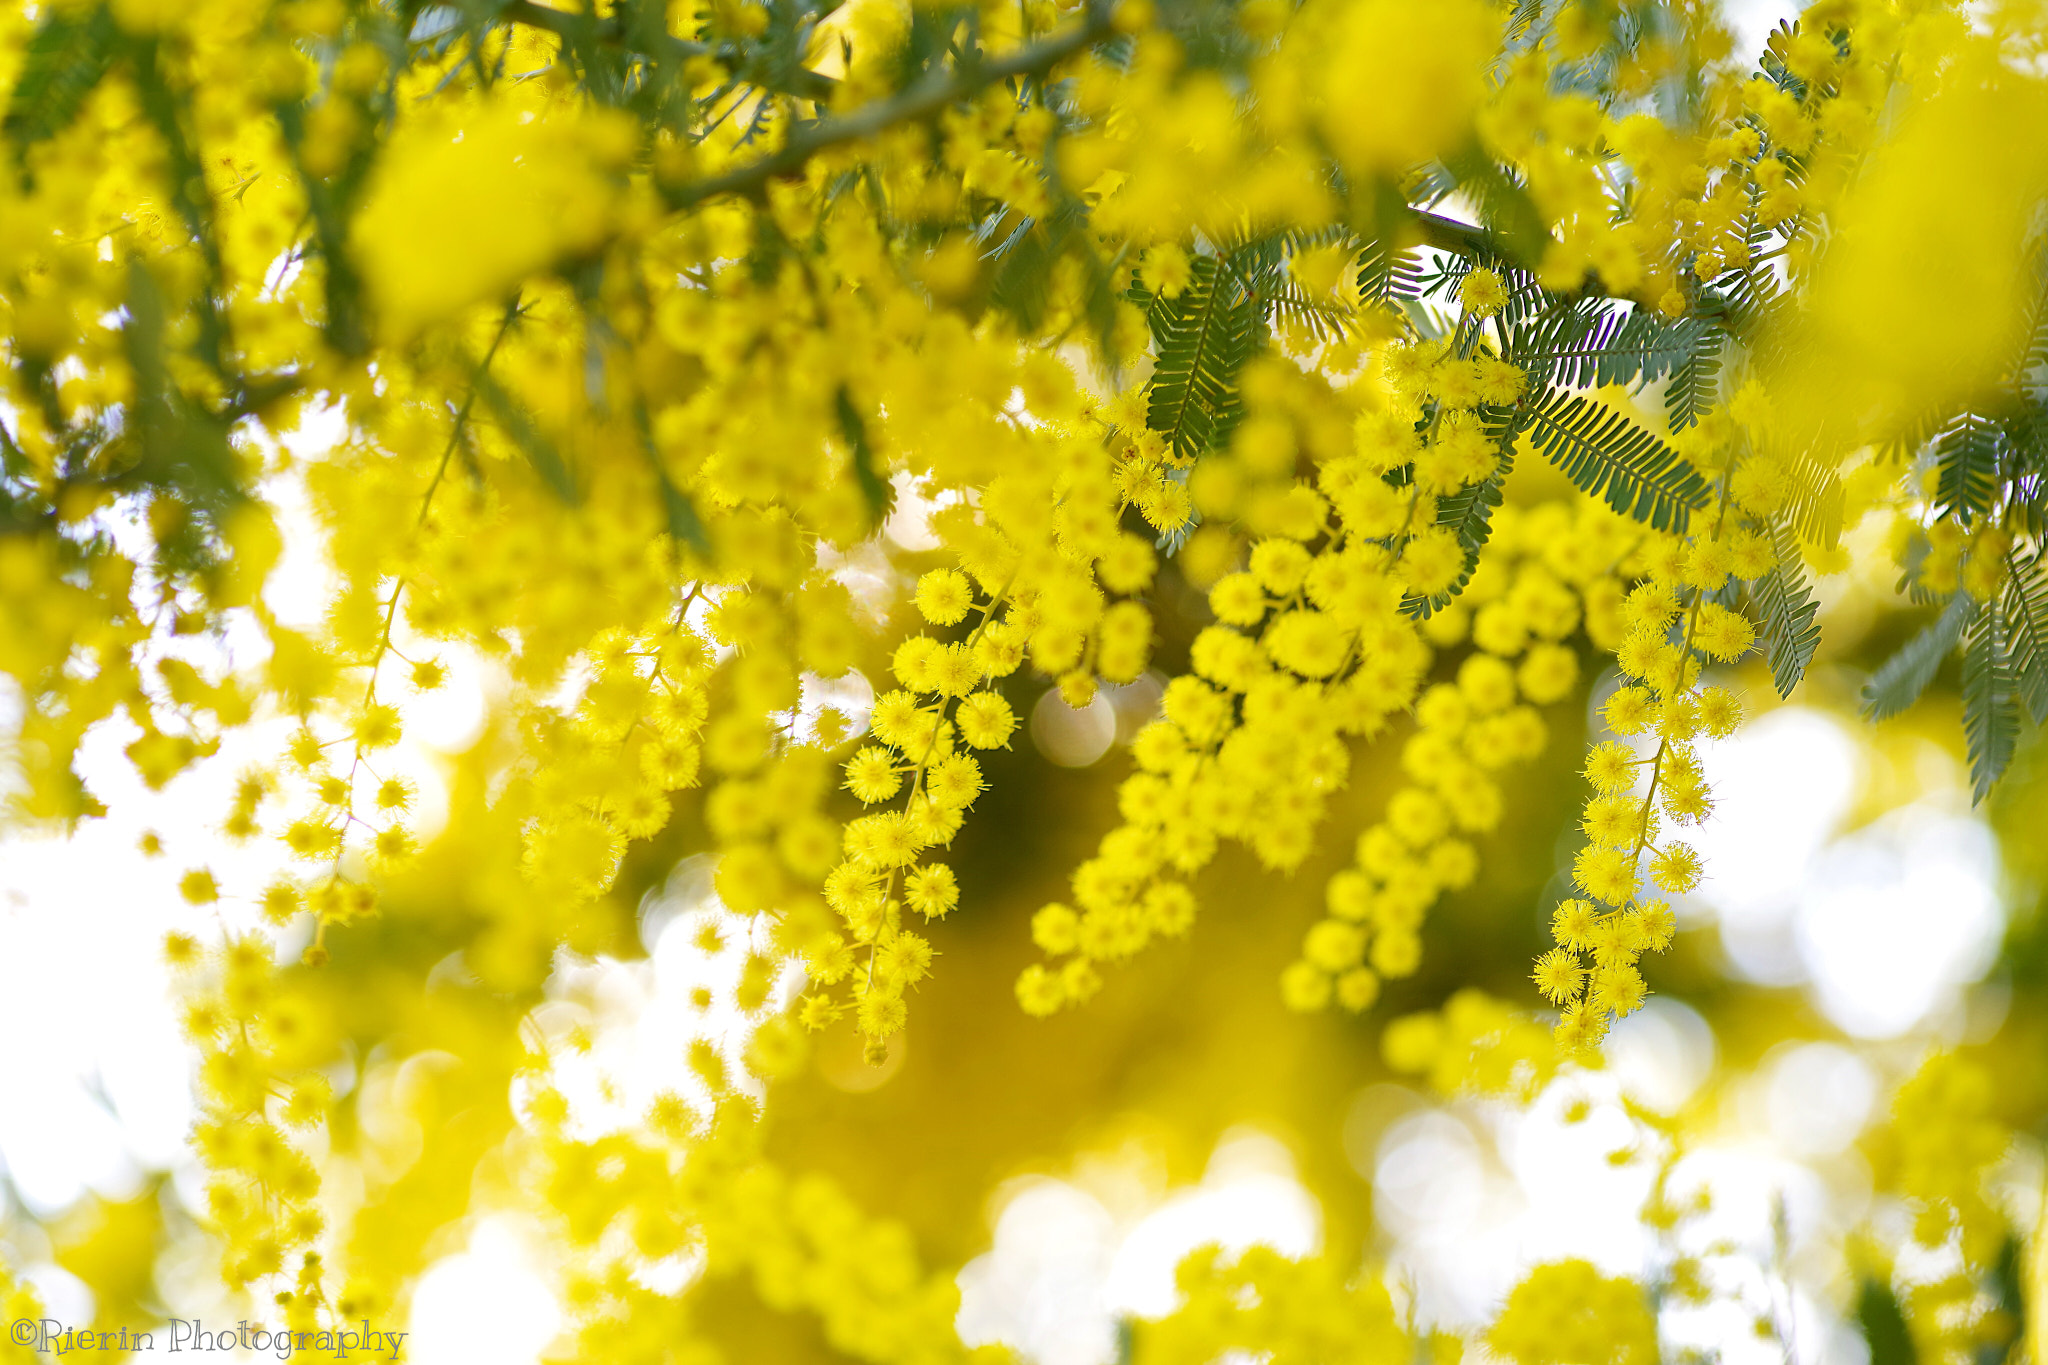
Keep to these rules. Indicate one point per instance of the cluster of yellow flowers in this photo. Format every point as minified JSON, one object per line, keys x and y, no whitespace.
{"x":1674,"y":630}
{"x":1937,"y":1154}
{"x":256,"y":1088}
{"x":1568,"y":1311}
{"x":1474,"y":1044}
{"x":1262,"y":1304}
{"x":800,"y":1243}
{"x":20,"y":1303}
{"x":1548,"y":572}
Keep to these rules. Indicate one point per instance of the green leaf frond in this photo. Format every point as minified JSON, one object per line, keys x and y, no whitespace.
{"x":1786,"y":610}
{"x":2024,"y":604}
{"x":1991,"y":713}
{"x":1607,"y":455}
{"x":1904,"y":676}
{"x":1203,"y":338}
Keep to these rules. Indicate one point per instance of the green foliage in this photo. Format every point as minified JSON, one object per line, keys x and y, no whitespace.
{"x":1261,"y":266}
{"x":2025,"y":607}
{"x":1027,"y":257}
{"x":70,"y":52}
{"x":873,"y":487}
{"x":1786,"y":612}
{"x":1695,"y":384}
{"x":1388,"y":277}
{"x":1505,"y":207}
{"x":1968,"y":459}
{"x":1991,"y":714}
{"x":1202,"y":339}
{"x":1904,"y":676}
{"x":176,"y":444}
{"x":1883,"y":1324}
{"x":1609,"y":456}
{"x":1814,"y":508}
{"x":533,"y":443}
{"x":1594,"y":343}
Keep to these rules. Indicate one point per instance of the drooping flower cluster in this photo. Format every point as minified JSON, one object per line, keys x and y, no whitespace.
{"x":1548,"y":574}
{"x":1674,"y":631}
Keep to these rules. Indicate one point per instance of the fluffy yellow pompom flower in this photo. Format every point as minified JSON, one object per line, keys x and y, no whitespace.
{"x":1305,"y":987}
{"x":1548,"y":674}
{"x":1431,"y":562}
{"x":1166,"y":270}
{"x":1723,"y":634}
{"x":1482,"y":292}
{"x":1655,"y":925}
{"x":377,"y":727}
{"x":1613,"y":821}
{"x":986,"y":721}
{"x":1238,"y":600}
{"x":1610,"y":767}
{"x":1572,"y":924}
{"x":872,"y":775}
{"x":1040,"y":992}
{"x":455,"y":213}
{"x":1620,"y":989}
{"x":1558,"y":975}
{"x":944,"y":596}
{"x":954,"y":782}
{"x":1676,"y":868}
{"x":181,"y":950}
{"x":1605,"y":873}
{"x":1629,"y":710}
{"x":1720,"y":712}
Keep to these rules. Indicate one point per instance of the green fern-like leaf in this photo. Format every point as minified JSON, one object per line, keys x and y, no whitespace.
{"x":1695,"y":384}
{"x":2026,"y":481}
{"x":1203,"y":338}
{"x":1649,"y":347}
{"x":1991,"y":714}
{"x":1593,"y":343}
{"x":1322,"y":320}
{"x":1028,"y":257}
{"x":875,"y":490}
{"x":2025,"y":606}
{"x":1814,"y":502}
{"x":1904,"y":676}
{"x":1746,"y":301}
{"x":533,"y":443}
{"x":1966,"y":483}
{"x":1388,"y":277}
{"x":1503,"y":202}
{"x":1609,"y":456}
{"x":1551,"y":344}
{"x":1787,"y":610}
{"x":69,"y":54}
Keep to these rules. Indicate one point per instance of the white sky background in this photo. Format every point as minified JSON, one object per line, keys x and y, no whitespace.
{"x":94,"y":1075}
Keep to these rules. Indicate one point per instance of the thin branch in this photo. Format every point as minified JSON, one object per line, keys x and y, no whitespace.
{"x":935,"y":91}
{"x":1448,"y":234}
{"x":802,"y":82}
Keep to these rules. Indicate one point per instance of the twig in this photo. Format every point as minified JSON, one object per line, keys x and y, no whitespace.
{"x":801,"y":82}
{"x":936,"y":91}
